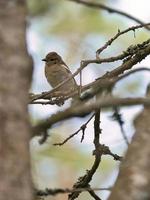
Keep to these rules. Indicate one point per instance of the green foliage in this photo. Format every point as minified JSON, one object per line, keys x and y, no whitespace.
{"x":64,"y":17}
{"x":37,"y":7}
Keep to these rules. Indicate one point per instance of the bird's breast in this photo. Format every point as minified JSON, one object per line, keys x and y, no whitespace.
{"x":56,"y":74}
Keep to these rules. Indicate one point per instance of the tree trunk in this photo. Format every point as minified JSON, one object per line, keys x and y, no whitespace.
{"x":15,"y":75}
{"x":133,"y":182}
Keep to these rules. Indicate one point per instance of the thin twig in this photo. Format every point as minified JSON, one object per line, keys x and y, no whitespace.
{"x":110,"y":10}
{"x":95,"y":196}
{"x":82,"y":128}
{"x":118,"y":117}
{"x":132,"y":72}
{"x":119,"y":33}
{"x":106,"y":151}
{"x":53,"y":192}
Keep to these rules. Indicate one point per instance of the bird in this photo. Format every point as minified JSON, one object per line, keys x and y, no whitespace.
{"x":56,"y":71}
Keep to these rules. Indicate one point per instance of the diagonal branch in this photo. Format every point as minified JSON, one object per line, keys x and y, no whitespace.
{"x":103,"y":85}
{"x":82,"y":128}
{"x":129,"y":52}
{"x":109,"y":42}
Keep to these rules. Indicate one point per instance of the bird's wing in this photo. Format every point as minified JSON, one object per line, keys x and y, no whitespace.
{"x":66,"y":67}
{"x":69,"y":72}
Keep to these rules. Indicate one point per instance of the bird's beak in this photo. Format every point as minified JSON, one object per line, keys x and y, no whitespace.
{"x":44,"y":59}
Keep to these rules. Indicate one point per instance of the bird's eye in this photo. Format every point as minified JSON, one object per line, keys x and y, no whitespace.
{"x":52,"y":59}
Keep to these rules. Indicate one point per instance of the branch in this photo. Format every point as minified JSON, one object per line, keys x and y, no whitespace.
{"x":110,"y":10}
{"x":109,"y":42}
{"x":118,"y":117}
{"x":94,"y":195}
{"x":103,"y":84}
{"x":53,"y":192}
{"x":129,"y":63}
{"x":82,"y":128}
{"x":106,"y":79}
{"x":134,"y":50}
{"x":85,"y":180}
{"x":83,"y":109}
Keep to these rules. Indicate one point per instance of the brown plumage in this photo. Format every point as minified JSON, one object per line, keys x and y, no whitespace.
{"x":56,"y":71}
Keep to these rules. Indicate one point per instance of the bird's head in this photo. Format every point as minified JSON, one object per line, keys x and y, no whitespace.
{"x":52,"y":58}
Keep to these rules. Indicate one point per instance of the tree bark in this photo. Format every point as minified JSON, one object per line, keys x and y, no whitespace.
{"x":133,"y":182}
{"x":15,"y":76}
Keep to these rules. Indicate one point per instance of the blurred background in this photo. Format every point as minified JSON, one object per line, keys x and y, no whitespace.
{"x":76,"y":32}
